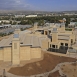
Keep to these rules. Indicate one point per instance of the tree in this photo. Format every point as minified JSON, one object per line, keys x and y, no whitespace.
{"x":14,"y":23}
{"x":41,"y":23}
{"x":67,"y":22}
{"x":10,"y":22}
{"x":29,"y":22}
{"x":23,"y":22}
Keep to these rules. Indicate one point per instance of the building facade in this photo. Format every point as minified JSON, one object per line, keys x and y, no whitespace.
{"x":19,"y":47}
{"x":59,"y":39}
{"x":27,"y":45}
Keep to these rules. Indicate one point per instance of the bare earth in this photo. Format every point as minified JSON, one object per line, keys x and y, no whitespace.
{"x":47,"y":64}
{"x":55,"y":74}
{"x":70,"y":69}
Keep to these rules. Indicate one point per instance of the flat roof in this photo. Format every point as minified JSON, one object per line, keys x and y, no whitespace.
{"x":25,"y":39}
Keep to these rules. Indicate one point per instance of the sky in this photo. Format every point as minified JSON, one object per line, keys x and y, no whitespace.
{"x":39,"y":5}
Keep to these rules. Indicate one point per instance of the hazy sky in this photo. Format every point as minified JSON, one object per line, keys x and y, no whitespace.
{"x":39,"y":5}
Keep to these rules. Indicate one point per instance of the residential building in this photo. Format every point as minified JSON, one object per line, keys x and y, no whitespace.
{"x":17,"y":16}
{"x":72,"y":24}
{"x":31,"y":16}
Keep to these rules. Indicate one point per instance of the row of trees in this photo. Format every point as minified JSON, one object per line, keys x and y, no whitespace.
{"x":40,"y":20}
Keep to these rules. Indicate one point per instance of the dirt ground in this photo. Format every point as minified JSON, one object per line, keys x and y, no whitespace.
{"x":55,"y":74}
{"x":47,"y":64}
{"x":70,"y":70}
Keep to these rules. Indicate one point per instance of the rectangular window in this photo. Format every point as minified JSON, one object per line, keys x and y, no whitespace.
{"x":71,"y":41}
{"x":56,"y":46}
{"x":62,"y":44}
{"x":53,"y":46}
{"x":51,"y":39}
{"x":50,"y":45}
{"x":66,"y":44}
{"x":49,"y":32}
{"x":45,"y":32}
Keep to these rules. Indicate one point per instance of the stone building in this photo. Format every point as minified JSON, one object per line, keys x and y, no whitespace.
{"x":59,"y":40}
{"x":27,"y":45}
{"x":21,"y":46}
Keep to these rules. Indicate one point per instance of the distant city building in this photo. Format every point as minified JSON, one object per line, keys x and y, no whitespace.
{"x":31,"y":16}
{"x":72,"y":24}
{"x":17,"y":16}
{"x":62,"y":21}
{"x":5,"y":21}
{"x":68,"y":14}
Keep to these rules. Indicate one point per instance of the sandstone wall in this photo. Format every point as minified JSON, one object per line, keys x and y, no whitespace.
{"x":16,"y":52}
{"x":7,"y":54}
{"x":45,"y":44}
{"x":25,"y":53}
{"x":1,"y":54}
{"x":36,"y":53}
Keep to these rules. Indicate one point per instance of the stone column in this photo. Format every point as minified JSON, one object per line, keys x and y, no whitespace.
{"x":15,"y":50}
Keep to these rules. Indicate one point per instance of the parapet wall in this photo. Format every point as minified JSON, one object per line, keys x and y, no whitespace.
{"x":36,"y":53}
{"x":7,"y":54}
{"x":26,"y":53}
{"x":1,"y":54}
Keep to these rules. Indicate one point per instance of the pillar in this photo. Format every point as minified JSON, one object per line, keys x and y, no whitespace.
{"x":15,"y":50}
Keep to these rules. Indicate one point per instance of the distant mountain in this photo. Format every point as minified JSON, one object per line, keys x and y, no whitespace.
{"x":3,"y":12}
